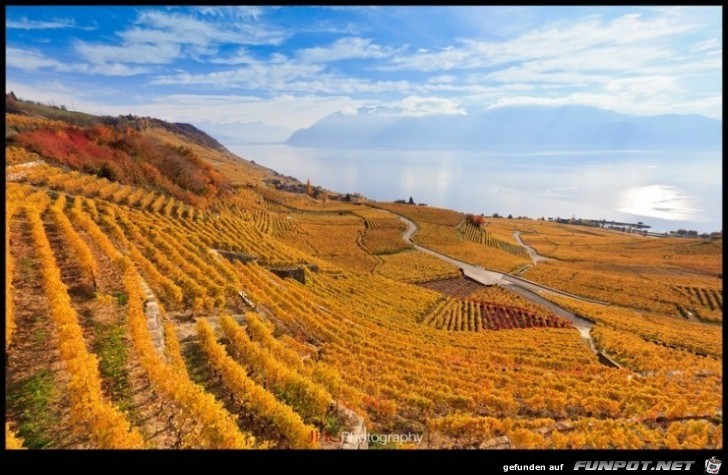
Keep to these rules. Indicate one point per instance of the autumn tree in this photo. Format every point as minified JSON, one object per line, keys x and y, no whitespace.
{"x":308,"y":187}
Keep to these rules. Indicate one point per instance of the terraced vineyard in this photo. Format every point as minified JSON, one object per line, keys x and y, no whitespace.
{"x":248,"y":317}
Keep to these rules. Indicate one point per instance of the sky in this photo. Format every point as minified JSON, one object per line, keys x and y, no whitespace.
{"x":268,"y":71}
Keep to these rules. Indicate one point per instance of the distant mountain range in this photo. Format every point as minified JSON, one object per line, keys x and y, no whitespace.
{"x":515,"y":129}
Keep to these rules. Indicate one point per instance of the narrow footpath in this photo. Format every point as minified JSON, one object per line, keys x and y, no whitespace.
{"x":535,"y":256}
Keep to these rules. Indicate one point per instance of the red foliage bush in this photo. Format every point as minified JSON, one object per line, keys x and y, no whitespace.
{"x":128,"y":157}
{"x":475,"y":220}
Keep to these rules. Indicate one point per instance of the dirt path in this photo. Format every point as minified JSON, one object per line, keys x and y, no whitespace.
{"x":535,"y":256}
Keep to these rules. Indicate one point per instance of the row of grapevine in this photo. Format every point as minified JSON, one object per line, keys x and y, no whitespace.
{"x":478,"y":235}
{"x":643,"y":356}
{"x":318,"y":371}
{"x":89,"y":185}
{"x":109,"y":190}
{"x":194,"y":295}
{"x":91,"y":414}
{"x":673,"y":332}
{"x":307,"y":399}
{"x":384,"y":223}
{"x":13,"y":195}
{"x":76,"y":245}
{"x":157,"y":204}
{"x":19,"y":155}
{"x":167,"y":290}
{"x":252,"y":397}
{"x":214,"y":426}
{"x":121,"y":195}
{"x":474,"y":315}
{"x":709,"y":298}
{"x":23,"y":122}
{"x":461,"y":430}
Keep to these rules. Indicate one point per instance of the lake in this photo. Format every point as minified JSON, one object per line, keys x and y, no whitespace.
{"x":666,"y":191}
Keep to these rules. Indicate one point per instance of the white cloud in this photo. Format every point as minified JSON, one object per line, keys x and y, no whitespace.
{"x":644,"y":85}
{"x":444,"y":79}
{"x":334,"y":27}
{"x":253,"y":76}
{"x":24,"y":23}
{"x":177,"y":28}
{"x":53,"y":92}
{"x":291,"y":111}
{"x":639,"y":98}
{"x":163,"y":37}
{"x":415,"y":106}
{"x":333,"y":84}
{"x":113,"y":69}
{"x":345,"y":48}
{"x":291,"y":76}
{"x":553,"y":42}
{"x":159,"y":53}
{"x":31,"y":60}
{"x":241,"y":56}
{"x":441,"y":60}
{"x":286,"y":110}
{"x":713,"y":44}
{"x":246,"y":12}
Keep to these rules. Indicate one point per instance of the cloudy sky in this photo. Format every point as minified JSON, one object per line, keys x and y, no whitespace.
{"x":274,"y":70}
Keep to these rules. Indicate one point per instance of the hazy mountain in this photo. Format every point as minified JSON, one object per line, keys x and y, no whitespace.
{"x":239,"y":133}
{"x":517,"y":129}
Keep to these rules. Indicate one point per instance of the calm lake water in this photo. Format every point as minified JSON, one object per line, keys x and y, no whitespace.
{"x":666,"y":192}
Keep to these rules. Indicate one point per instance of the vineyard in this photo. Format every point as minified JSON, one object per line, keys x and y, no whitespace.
{"x":478,"y":235}
{"x":710,"y":302}
{"x":476,"y":315}
{"x":413,"y":267}
{"x":645,"y":273}
{"x":143,"y":314}
{"x":447,"y":239}
{"x":454,"y":287}
{"x":384,"y":235}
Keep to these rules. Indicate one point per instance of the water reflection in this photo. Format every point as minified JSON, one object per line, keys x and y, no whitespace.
{"x":658,"y":201}
{"x":666,"y":192}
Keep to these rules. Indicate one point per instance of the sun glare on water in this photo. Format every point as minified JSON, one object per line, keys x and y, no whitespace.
{"x":658,"y":201}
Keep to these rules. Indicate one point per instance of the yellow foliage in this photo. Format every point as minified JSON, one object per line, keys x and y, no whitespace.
{"x":12,"y":442}
{"x":91,"y":414}
{"x":252,"y":396}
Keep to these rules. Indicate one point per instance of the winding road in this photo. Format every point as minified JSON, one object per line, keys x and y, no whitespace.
{"x":524,"y":288}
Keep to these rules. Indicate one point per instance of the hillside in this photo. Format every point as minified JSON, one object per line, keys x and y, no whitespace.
{"x":164,"y":293}
{"x":514,"y":129}
{"x":33,"y":109}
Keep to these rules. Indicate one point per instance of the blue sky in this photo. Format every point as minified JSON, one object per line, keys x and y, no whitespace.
{"x":273,"y":70}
